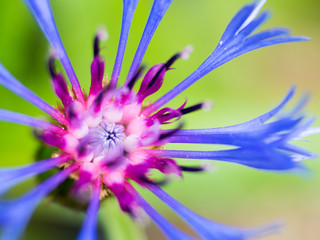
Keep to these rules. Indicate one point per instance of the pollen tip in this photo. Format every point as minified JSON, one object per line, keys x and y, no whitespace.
{"x":208,"y":167}
{"x":140,"y":217}
{"x":185,"y":54}
{"x":102,"y":33}
{"x":53,"y":53}
{"x":207,"y":105}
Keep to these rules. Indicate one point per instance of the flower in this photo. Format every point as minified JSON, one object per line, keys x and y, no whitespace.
{"x":104,"y":140}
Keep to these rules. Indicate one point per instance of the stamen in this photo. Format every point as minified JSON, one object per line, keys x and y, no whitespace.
{"x":147,"y":180}
{"x":71,"y":112}
{"x":168,"y":115}
{"x":59,"y":83}
{"x":153,"y":80}
{"x":165,"y":67}
{"x":205,"y":106}
{"x":51,"y":139}
{"x":202,"y":168}
{"x":101,"y":35}
{"x":99,"y":99}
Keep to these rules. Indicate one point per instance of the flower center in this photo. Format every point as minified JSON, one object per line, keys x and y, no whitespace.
{"x":106,"y":140}
{"x":113,"y":134}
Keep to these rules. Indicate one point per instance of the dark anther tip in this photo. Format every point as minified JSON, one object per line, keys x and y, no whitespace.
{"x":51,"y":66}
{"x":171,"y":132}
{"x":136,"y":77}
{"x":96,"y":48}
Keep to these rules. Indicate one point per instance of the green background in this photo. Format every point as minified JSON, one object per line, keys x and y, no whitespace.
{"x":240,"y":90}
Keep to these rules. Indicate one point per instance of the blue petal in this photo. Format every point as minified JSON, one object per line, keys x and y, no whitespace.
{"x":246,"y":138}
{"x":270,"y":151}
{"x":42,"y":13}
{"x":9,"y":82}
{"x":240,"y":21}
{"x":158,"y":10}
{"x":268,"y":34}
{"x":206,"y":228}
{"x":235,"y":41}
{"x":15,"y":214}
{"x":14,"y":228}
{"x":129,"y":7}
{"x":237,"y":21}
{"x":168,"y":229}
{"x":258,"y":144}
{"x":265,"y":117}
{"x":11,"y":176}
{"x":89,"y":228}
{"x":9,"y":116}
{"x":257,"y":157}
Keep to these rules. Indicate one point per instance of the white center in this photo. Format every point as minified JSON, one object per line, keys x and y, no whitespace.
{"x":107,"y":140}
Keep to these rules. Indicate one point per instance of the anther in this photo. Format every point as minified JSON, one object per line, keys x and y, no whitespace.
{"x":147,"y":180}
{"x":165,"y":67}
{"x":101,"y":35}
{"x":205,"y":106}
{"x":204,"y":167}
{"x":183,"y":54}
{"x":191,"y":169}
{"x":96,"y":48}
{"x":136,"y":77}
{"x":51,"y":65}
{"x":99,"y":99}
{"x":169,"y":133}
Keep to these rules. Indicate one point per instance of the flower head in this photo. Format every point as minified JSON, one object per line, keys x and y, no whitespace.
{"x":106,"y":138}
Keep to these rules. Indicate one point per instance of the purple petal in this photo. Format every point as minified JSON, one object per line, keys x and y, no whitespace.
{"x":158,"y":10}
{"x":151,"y":83}
{"x":16,"y":213}
{"x":61,"y":89}
{"x":89,"y":228}
{"x":206,"y":228}
{"x":125,"y":198}
{"x":53,"y":140}
{"x":97,"y":71}
{"x":11,"y":176}
{"x":129,"y":7}
{"x":42,"y":13}
{"x":12,"y":84}
{"x":9,"y":116}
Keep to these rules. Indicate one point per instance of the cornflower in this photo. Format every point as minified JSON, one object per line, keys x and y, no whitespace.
{"x":105,"y":139}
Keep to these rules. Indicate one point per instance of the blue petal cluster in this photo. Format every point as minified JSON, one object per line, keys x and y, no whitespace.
{"x":259,"y":143}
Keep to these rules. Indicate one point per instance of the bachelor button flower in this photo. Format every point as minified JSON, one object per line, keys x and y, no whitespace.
{"x":104,"y":140}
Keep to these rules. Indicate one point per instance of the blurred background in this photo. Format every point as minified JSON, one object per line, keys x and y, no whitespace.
{"x":240,"y":90}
